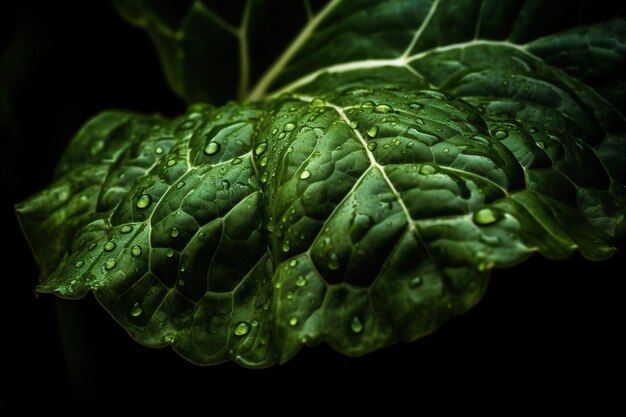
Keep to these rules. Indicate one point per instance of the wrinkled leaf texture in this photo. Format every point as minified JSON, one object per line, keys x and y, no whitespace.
{"x":381,"y":161}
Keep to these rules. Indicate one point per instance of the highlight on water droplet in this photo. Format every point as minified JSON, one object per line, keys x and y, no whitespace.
{"x":372,"y":131}
{"x":110,"y":264}
{"x":135,"y":251}
{"x":92,"y":246}
{"x":285,"y":246}
{"x":174,"y":232}
{"x":356,"y":325}
{"x":305,"y":174}
{"x":212,"y":148}
{"x":236,"y":161}
{"x":367,"y":105}
{"x":158,"y":150}
{"x":293,"y":321}
{"x":354,"y":124}
{"x":242,"y":329}
{"x":301,"y":281}
{"x":144,"y":201}
{"x":289,"y":127}
{"x":180,"y":185}
{"x":372,"y":146}
{"x":109,"y":246}
{"x":293,"y":263}
{"x":416,"y":282}
{"x":136,"y":310}
{"x":263,"y":161}
{"x":169,"y":253}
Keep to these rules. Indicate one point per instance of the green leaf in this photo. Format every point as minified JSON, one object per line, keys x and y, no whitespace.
{"x":365,"y":200}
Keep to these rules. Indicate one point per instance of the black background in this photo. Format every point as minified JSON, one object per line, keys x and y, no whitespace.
{"x":544,"y":330}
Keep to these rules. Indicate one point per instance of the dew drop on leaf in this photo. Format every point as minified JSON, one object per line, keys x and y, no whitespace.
{"x":286,"y":246}
{"x":242,"y":329}
{"x":236,"y":161}
{"x":212,"y":148}
{"x":136,"y":310}
{"x":126,"y":229}
{"x":261,"y":147}
{"x":144,"y":201}
{"x":289,"y":127}
{"x":372,"y":131}
{"x":367,"y":105}
{"x":78,"y":264}
{"x":318,"y":103}
{"x":293,"y":263}
{"x":180,"y":185}
{"x":500,"y":134}
{"x":110,"y":264}
{"x":356,"y":325}
{"x":135,"y":250}
{"x":92,"y":246}
{"x":372,"y":146}
{"x":486,"y":216}
{"x":354,"y":124}
{"x":305,"y":174}
{"x":174,"y":232}
{"x":333,"y":262}
{"x":427,"y":169}
{"x":293,"y":321}
{"x":300,"y":281}
{"x":383,"y":108}
{"x":263,"y":161}
{"x":109,"y":246}
{"x":169,"y":253}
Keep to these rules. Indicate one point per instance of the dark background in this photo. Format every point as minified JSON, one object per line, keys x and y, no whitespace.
{"x":544,"y":330}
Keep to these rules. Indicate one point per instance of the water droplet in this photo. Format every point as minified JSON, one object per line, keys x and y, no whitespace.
{"x":305,"y":174}
{"x":446,"y":150}
{"x":541,"y":144}
{"x":169,"y":338}
{"x":333,"y":262}
{"x":187,"y":125}
{"x":78,"y":264}
{"x":289,"y":127}
{"x":261,"y":147}
{"x":159,"y":150}
{"x":289,"y":296}
{"x":263,"y":161}
{"x":274,"y":131}
{"x":169,"y":253}
{"x":354,"y":124}
{"x":174,"y":231}
{"x":242,"y":329}
{"x":372,"y":131}
{"x":225,"y":184}
{"x":293,"y":263}
{"x":144,"y":201}
{"x":126,"y":229}
{"x":416,"y":282}
{"x":109,"y":246}
{"x":136,"y":310}
{"x":486,"y":216}
{"x":282,"y":135}
{"x":500,"y":134}
{"x":427,"y":169}
{"x":264,"y":177}
{"x":293,"y":321}
{"x":356,"y":325}
{"x":383,"y":108}
{"x":171,"y":162}
{"x":372,"y":146}
{"x":110,"y":264}
{"x":300,"y":281}
{"x":318,"y":102}
{"x":367,"y":105}
{"x":180,"y":185}
{"x":92,"y":247}
{"x":212,"y":148}
{"x":201,"y":235}
{"x":135,"y":250}
{"x":415,"y":106}
{"x":286,"y":246}
{"x":236,"y":161}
